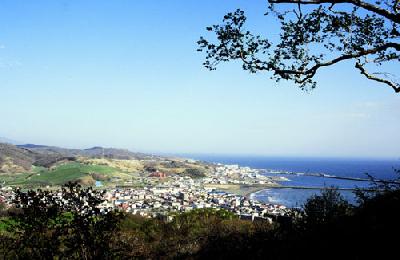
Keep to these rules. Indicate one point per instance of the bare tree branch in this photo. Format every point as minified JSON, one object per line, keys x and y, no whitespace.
{"x":309,"y":73}
{"x":363,"y":71}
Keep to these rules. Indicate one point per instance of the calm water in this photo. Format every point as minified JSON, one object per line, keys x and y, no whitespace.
{"x":379,"y":168}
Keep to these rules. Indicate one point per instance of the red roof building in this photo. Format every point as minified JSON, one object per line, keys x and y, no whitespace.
{"x":158,"y":174}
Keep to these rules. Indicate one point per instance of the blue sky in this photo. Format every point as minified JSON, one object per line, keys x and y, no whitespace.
{"x":126,"y":74}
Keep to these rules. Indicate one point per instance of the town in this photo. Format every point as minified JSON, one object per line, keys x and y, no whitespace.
{"x":163,"y":196}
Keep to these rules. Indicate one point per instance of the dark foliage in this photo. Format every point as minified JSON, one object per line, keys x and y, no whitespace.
{"x":328,"y":207}
{"x":65,"y":223}
{"x":364,"y":232}
{"x":194,"y":173}
{"x":45,"y":226}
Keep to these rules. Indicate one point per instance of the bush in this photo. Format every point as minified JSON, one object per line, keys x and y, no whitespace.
{"x":325,"y":208}
{"x":65,"y":223}
{"x":194,"y":173}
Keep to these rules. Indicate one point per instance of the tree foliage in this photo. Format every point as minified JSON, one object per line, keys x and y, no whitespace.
{"x":194,"y":173}
{"x":40,"y":228}
{"x":66,"y":223}
{"x":325,"y":208}
{"x":314,"y":34}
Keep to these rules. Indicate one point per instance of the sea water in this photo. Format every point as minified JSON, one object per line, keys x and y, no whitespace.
{"x":355,"y":168}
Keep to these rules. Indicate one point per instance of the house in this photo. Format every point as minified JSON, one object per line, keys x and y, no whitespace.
{"x":158,"y":174}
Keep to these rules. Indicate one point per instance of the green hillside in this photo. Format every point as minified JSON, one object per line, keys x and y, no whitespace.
{"x":59,"y":175}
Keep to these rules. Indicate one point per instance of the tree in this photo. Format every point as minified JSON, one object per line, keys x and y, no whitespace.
{"x":65,"y":223}
{"x":194,"y":172}
{"x":314,"y":34}
{"x":325,"y":208}
{"x":378,"y":188}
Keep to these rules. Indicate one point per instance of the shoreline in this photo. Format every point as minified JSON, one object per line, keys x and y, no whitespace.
{"x":248,"y":190}
{"x":323,"y":176}
{"x":241,"y":189}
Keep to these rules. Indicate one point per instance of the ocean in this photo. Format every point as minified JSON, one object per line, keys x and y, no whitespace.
{"x":356,"y":168}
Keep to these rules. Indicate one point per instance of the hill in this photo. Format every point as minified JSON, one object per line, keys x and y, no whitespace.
{"x":21,"y":158}
{"x":61,"y":174}
{"x":41,"y":165}
{"x":94,"y":152}
{"x":15,"y":159}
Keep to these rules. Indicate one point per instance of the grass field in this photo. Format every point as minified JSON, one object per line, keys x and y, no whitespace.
{"x":61,"y":174}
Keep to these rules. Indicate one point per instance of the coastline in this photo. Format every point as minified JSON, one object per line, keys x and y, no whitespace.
{"x":241,"y":189}
{"x":248,"y":190}
{"x":289,"y":187}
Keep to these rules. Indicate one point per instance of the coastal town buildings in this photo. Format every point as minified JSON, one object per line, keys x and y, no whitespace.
{"x":174,"y":194}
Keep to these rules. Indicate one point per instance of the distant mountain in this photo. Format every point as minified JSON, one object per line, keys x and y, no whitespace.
{"x":30,"y":146}
{"x":97,"y":152}
{"x":9,"y":141}
{"x":18,"y":158}
{"x":113,"y":153}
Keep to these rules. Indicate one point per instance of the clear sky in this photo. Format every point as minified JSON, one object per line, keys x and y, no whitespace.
{"x":126,"y":74}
